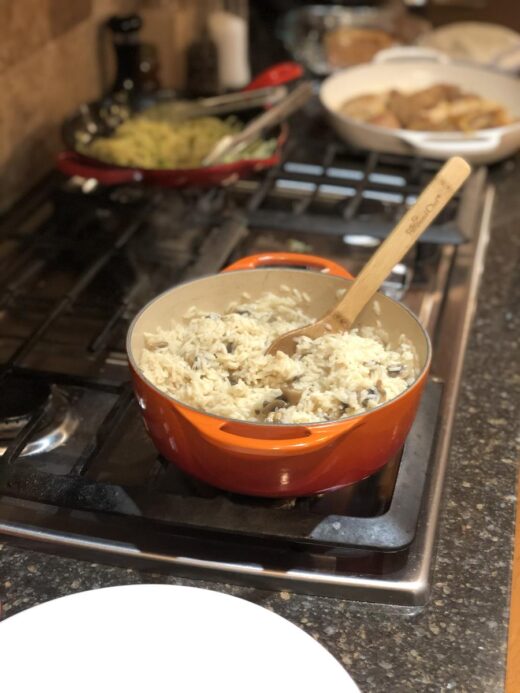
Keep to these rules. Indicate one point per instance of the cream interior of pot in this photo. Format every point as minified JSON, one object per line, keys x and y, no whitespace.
{"x":214,"y":293}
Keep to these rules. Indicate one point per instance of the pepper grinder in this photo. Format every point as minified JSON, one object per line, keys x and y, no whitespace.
{"x":202,"y":59}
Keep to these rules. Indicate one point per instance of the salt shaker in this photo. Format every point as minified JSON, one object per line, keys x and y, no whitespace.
{"x":229,"y":32}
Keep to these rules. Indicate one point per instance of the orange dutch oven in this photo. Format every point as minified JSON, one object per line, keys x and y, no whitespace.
{"x":276,"y":460}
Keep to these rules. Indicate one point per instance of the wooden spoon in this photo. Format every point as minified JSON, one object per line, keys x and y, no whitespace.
{"x":429,"y":204}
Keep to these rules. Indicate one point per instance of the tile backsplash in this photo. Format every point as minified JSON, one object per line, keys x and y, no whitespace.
{"x":53,"y":57}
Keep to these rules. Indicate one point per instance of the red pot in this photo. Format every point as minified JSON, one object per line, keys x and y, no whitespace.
{"x":73,"y":163}
{"x":276,"y":460}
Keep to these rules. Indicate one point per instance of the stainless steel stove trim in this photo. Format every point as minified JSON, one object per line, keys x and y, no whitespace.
{"x":410,"y":586}
{"x":398,"y":591}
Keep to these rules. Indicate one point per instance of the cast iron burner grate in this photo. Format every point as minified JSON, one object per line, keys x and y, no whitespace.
{"x":323,"y":186}
{"x":379,"y":513}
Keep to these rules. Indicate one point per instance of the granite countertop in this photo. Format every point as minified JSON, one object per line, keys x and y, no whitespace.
{"x":458,"y":642}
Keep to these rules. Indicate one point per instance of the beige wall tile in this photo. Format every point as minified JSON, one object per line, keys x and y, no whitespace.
{"x":104,"y":8}
{"x":37,"y":95}
{"x":76,"y":69}
{"x":24,"y":27}
{"x":30,"y":136}
{"x":64,"y":14}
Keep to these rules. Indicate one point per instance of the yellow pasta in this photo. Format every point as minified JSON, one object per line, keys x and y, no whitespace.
{"x":146,"y":142}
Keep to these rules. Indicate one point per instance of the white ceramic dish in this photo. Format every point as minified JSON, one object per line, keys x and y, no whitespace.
{"x":410,"y":69}
{"x":304,"y":28}
{"x":161,"y":638}
{"x":481,"y":42}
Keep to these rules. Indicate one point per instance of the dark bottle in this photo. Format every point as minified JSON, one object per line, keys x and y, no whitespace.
{"x":202,"y":61}
{"x":136,"y":62}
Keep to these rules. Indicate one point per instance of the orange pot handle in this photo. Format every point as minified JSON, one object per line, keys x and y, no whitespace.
{"x":226,"y":434}
{"x":292,"y":259}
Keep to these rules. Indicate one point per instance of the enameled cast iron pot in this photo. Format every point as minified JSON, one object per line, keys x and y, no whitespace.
{"x":275,"y":460}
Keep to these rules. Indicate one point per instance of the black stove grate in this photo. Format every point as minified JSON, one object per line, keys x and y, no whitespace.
{"x":323,"y":186}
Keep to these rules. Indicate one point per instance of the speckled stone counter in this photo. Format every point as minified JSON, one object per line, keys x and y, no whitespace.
{"x":458,"y":642}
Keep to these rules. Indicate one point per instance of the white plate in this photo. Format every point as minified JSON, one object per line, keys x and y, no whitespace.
{"x":481,"y":42}
{"x":158,"y":638}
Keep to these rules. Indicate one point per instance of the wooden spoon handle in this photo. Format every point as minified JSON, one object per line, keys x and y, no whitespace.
{"x":416,"y":220}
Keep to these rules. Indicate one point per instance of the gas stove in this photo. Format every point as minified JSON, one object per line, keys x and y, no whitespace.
{"x":78,"y":474}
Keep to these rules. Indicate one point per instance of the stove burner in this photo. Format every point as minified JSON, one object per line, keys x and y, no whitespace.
{"x":22,"y":399}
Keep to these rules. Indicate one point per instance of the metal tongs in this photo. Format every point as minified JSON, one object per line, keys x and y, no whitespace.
{"x":231,"y":144}
{"x":218,"y":105}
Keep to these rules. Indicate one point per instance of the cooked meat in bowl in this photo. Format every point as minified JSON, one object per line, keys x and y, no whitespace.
{"x":440,"y":108}
{"x":346,"y":45}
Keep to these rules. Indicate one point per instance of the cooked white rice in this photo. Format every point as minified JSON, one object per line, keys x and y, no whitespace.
{"x":217,"y":363}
